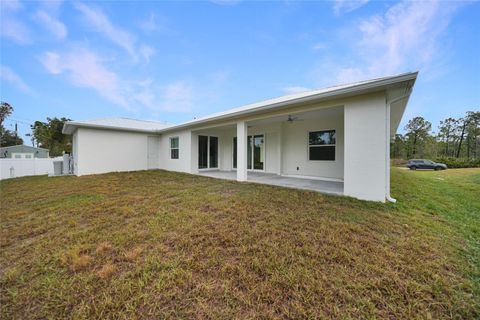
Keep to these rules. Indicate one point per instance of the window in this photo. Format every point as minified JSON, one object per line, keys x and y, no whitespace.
{"x":18,"y":156}
{"x":321,"y":145}
{"x":28,"y":156}
{"x":174,"y":148}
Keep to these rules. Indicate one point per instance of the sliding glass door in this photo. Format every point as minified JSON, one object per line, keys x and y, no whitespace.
{"x":255,"y":152}
{"x":235,"y":152}
{"x":213,"y":152}
{"x":202,"y":152}
{"x":258,"y":156}
{"x":249,"y":152}
{"x":207,"y":152}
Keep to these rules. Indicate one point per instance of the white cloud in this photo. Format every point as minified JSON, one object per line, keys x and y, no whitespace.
{"x":219,"y":77}
{"x":146,"y":52}
{"x":8,"y":75}
{"x":10,"y":26}
{"x":341,"y":6}
{"x":85,"y":69}
{"x":154,"y":23}
{"x":150,"y":24}
{"x":15,"y":30}
{"x":146,"y":98}
{"x":52,"y":6}
{"x":11,"y":5}
{"x":295,"y":89}
{"x":406,"y":37}
{"x":319,"y":46}
{"x":347,"y":75}
{"x":177,"y":96}
{"x":100,"y":23}
{"x":97,"y":20}
{"x":57,"y":28}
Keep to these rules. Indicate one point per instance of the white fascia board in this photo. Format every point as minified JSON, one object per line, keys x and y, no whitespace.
{"x":70,"y":127}
{"x":345,"y":91}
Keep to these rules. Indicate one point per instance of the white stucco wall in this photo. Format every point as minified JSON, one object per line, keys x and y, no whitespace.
{"x":272,"y":152}
{"x":226,"y":151}
{"x":365,"y":147}
{"x":75,"y":152}
{"x":184,"y":161}
{"x":295,"y":146}
{"x":101,"y":151}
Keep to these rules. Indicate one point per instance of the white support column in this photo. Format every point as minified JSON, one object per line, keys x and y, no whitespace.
{"x":242,"y":151}
{"x":365,"y":148}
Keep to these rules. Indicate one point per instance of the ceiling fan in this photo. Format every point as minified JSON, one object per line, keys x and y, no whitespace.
{"x":291,"y":119}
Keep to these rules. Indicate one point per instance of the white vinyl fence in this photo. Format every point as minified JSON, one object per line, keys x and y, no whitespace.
{"x":13,"y":168}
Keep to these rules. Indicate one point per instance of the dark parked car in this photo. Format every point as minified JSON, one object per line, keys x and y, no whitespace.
{"x":415,"y":164}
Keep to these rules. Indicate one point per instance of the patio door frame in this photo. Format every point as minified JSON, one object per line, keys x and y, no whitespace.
{"x":208,"y":152}
{"x":252,"y":154}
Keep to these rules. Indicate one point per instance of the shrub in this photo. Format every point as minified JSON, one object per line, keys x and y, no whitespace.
{"x":459,"y":162}
{"x":399,"y":162}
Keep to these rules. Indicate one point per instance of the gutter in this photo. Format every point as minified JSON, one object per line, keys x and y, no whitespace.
{"x":387,"y":144}
{"x":374,"y":85}
{"x":76,"y":125}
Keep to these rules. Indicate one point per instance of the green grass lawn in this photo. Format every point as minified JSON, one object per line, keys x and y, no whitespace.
{"x":157,"y":244}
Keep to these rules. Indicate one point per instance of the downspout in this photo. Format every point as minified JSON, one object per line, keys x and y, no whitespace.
{"x":387,"y":144}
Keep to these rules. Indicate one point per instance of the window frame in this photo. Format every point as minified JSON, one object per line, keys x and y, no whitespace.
{"x":321,"y":145}
{"x":174,"y":148}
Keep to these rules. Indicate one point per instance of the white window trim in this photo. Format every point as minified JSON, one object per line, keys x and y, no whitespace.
{"x":177,"y":148}
{"x":321,"y":145}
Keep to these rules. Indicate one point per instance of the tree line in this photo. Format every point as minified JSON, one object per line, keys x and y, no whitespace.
{"x":455,"y":138}
{"x":45,"y":134}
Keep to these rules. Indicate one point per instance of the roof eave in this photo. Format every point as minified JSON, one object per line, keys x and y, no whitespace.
{"x":342,"y":92}
{"x":70,"y":127}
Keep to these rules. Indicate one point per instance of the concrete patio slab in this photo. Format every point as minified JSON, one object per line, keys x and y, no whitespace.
{"x":323,"y":186}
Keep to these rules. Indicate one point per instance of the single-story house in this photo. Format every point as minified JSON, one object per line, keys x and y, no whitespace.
{"x":23,"y":152}
{"x":334,"y":140}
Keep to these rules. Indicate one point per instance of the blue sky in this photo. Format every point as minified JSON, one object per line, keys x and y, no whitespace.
{"x":172,"y":61}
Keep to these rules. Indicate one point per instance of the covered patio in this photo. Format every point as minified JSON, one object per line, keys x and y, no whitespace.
{"x":323,"y":186}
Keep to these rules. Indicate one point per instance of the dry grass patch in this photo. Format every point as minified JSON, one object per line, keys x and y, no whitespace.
{"x":76,"y":261}
{"x":133,"y":254}
{"x":103,"y":247}
{"x":106,"y":271}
